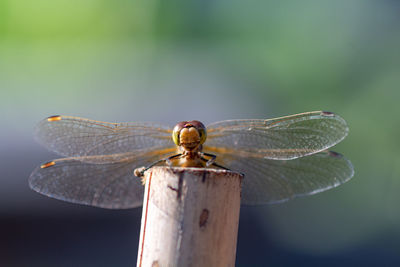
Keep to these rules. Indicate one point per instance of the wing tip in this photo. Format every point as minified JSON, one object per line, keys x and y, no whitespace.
{"x":40,"y":129}
{"x":32,"y":181}
{"x":339,"y":156}
{"x":338,"y":118}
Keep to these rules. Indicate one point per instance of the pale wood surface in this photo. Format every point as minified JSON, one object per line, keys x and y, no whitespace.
{"x":190,"y":217}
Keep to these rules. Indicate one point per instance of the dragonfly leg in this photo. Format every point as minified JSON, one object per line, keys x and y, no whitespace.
{"x":139,"y":172}
{"x":168,"y":160}
{"x":208,"y":161}
{"x":212,"y":161}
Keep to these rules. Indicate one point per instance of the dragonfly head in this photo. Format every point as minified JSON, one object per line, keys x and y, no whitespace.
{"x":189,"y":134}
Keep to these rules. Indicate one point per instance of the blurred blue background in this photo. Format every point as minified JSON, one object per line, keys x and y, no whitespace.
{"x":167,"y":61}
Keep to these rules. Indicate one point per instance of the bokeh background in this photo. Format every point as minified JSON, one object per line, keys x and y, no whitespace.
{"x":167,"y":61}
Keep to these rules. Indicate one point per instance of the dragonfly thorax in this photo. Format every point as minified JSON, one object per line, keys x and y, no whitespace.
{"x":189,"y":135}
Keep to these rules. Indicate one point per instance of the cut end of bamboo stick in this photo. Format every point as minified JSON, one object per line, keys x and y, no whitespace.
{"x":190,"y":217}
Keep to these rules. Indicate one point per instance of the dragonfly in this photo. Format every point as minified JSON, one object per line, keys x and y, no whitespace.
{"x":281,"y":158}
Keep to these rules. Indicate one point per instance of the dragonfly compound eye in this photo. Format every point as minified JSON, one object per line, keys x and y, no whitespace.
{"x":176,"y":132}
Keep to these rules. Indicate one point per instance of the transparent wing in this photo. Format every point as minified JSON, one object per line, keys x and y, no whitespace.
{"x":72,"y":136}
{"x":101,"y":181}
{"x":281,"y":138}
{"x":271,"y":181}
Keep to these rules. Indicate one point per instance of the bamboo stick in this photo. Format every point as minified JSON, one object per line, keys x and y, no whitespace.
{"x":190,"y":217}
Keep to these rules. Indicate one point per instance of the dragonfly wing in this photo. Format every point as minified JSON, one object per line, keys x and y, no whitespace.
{"x":272,"y":181}
{"x":281,"y":138}
{"x":73,"y":136}
{"x":101,"y":181}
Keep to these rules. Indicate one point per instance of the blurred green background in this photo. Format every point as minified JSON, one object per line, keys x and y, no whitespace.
{"x":167,"y":61}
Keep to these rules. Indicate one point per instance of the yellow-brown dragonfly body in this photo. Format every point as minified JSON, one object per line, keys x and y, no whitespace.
{"x":281,"y":158}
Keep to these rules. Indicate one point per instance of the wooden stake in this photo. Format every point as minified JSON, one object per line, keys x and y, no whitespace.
{"x":190,"y":217}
